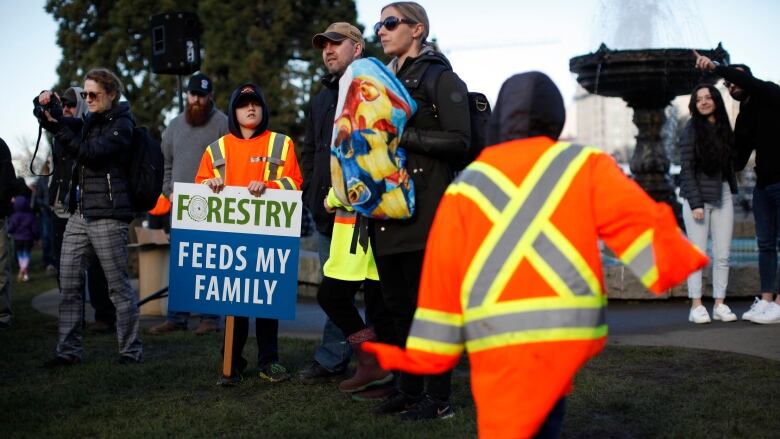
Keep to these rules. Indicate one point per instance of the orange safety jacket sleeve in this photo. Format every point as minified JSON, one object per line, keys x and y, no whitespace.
{"x":439,"y":301}
{"x":205,"y":169}
{"x":641,"y":232}
{"x":162,"y":207}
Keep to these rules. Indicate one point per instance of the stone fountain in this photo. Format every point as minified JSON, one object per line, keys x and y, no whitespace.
{"x":648,"y":80}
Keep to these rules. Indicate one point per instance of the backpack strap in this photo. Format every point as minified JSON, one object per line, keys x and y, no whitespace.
{"x":434,"y":70}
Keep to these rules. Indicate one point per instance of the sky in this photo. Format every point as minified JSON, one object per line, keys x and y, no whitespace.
{"x":487,"y":41}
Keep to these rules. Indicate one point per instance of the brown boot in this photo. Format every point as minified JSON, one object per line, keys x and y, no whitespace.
{"x":368,"y":371}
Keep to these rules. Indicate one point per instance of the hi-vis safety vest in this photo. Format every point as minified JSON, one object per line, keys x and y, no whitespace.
{"x":269,"y":158}
{"x":348,"y":261}
{"x":513,"y":274}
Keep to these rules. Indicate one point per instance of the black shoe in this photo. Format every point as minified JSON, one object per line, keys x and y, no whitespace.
{"x":400,"y":402}
{"x":58,"y":361}
{"x":126,"y":359}
{"x":428,"y":408}
{"x":315,"y":373}
{"x":231,"y":381}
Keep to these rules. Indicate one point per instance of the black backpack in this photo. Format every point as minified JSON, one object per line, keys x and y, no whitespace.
{"x":145,"y":171}
{"x":479,"y":113}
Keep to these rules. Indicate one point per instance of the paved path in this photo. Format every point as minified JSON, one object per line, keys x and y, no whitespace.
{"x":646,"y":323}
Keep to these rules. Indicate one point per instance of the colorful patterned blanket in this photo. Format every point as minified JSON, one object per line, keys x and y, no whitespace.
{"x":367,"y":165}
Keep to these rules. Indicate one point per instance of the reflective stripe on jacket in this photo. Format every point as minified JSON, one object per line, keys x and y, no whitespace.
{"x":513,"y":274}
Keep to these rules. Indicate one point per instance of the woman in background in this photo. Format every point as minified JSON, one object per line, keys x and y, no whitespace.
{"x":707,"y":183}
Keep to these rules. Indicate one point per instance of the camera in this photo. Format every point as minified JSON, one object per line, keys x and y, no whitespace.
{"x":54,"y":107}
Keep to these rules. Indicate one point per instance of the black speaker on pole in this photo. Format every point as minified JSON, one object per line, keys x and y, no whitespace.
{"x":175,"y":43}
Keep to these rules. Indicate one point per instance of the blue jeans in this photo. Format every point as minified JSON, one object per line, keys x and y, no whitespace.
{"x":334,"y":352}
{"x":766,"y":211}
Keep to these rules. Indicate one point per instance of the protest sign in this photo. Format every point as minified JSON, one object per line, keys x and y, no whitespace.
{"x":233,"y":253}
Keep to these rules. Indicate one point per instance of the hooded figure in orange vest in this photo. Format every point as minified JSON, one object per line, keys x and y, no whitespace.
{"x":253,"y":156}
{"x":512,"y":270}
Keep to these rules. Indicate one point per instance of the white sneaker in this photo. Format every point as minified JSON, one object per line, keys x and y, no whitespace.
{"x":699,"y":315}
{"x":756,"y":308}
{"x":723,"y":312}
{"x":770,"y":315}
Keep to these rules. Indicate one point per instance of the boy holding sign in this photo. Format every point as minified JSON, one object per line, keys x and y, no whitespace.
{"x":255,"y":157}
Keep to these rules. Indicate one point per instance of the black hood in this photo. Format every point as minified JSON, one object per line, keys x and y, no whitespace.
{"x":529,"y":104}
{"x":233,"y":123}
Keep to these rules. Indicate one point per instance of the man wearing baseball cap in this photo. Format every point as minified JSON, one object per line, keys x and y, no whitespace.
{"x":183,"y":143}
{"x":341,"y":43}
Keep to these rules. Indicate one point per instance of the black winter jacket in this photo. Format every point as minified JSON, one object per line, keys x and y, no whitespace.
{"x":7,"y":180}
{"x":696,"y":186}
{"x":433,"y":139}
{"x":315,"y":156}
{"x":756,"y":126}
{"x":59,"y":185}
{"x":101,"y":155}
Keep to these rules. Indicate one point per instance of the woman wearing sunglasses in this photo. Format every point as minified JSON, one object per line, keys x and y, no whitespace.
{"x":100,"y":208}
{"x":434,"y":139}
{"x":707,"y":182}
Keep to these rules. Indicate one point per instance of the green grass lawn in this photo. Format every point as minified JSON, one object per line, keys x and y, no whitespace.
{"x":627,"y":392}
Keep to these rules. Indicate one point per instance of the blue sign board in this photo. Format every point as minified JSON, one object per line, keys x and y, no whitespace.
{"x":234,"y":254}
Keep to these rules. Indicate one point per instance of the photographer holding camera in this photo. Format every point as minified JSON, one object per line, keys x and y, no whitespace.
{"x":59,"y":184}
{"x":99,"y":204}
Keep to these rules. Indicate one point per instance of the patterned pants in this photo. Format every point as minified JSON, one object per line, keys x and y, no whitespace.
{"x":107,"y":239}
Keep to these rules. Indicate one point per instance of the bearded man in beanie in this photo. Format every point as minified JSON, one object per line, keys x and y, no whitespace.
{"x":183,"y":144}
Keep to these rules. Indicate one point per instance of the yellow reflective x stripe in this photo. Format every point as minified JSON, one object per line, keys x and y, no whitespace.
{"x":486,"y":186}
{"x":476,"y":196}
{"x":640,"y":258}
{"x":478,"y":264}
{"x":535,"y":336}
{"x":519,"y":229}
{"x":574,"y":257}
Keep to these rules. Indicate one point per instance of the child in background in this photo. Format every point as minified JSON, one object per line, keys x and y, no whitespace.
{"x":23,"y":228}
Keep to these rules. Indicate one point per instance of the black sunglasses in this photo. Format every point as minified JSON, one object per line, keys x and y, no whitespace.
{"x":92,"y":95}
{"x":68,"y":104}
{"x":390,"y":23}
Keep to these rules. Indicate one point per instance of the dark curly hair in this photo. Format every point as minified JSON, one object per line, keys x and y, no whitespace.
{"x":713,"y":147}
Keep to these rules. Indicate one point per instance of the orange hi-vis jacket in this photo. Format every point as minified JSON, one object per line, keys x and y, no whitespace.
{"x":513,"y":274}
{"x":269,"y":157}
